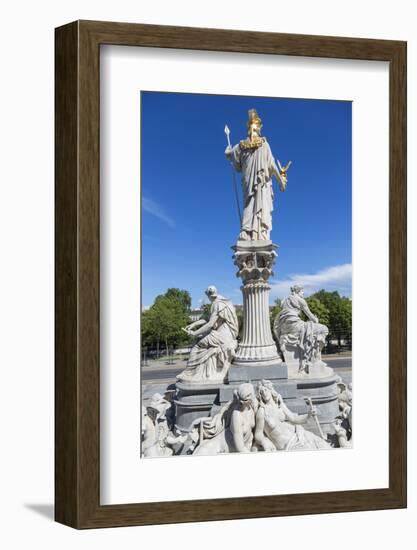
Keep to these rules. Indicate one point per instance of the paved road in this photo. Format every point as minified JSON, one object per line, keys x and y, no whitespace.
{"x":342,"y":363}
{"x":170,"y":371}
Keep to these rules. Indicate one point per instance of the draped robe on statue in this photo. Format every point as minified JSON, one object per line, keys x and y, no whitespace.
{"x":211,"y":356}
{"x":292,"y":331}
{"x":257,"y":166}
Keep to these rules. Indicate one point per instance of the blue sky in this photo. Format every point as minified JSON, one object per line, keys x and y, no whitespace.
{"x":189,"y":213}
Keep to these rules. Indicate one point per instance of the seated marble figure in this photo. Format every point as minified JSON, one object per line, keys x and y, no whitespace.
{"x":300,"y":341}
{"x":216,"y":342}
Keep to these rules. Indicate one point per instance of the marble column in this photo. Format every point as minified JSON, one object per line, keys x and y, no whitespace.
{"x":255,"y":260}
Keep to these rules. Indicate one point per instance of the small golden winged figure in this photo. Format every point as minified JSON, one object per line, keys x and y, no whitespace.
{"x":283,"y":172}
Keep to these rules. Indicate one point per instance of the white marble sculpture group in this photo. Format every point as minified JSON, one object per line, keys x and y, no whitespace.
{"x":256,"y":421}
{"x":300,"y":342}
{"x":253,"y":421}
{"x":256,"y":418}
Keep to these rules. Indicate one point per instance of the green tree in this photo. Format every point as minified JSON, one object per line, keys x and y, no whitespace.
{"x":340,"y":314}
{"x":162,"y":323}
{"x":147,"y":333}
{"x":169,"y":319}
{"x":274,"y":312}
{"x":182,"y":296}
{"x":318,"y":309}
{"x":345,"y":319}
{"x":151,"y":328}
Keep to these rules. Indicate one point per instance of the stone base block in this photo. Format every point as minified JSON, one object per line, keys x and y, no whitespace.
{"x":323,"y":392}
{"x":317,"y":370}
{"x":293,"y":360}
{"x":257,"y":371}
{"x":193,"y":401}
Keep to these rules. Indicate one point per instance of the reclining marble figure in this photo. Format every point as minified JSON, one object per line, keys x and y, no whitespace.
{"x":278,"y":428}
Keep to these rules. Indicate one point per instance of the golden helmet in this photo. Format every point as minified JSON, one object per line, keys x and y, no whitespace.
{"x":253,"y":118}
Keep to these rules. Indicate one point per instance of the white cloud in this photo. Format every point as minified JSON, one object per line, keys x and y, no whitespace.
{"x":337,"y":277}
{"x":156,"y":210}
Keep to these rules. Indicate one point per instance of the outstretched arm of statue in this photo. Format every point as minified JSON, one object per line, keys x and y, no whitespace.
{"x":205,"y":327}
{"x":195,"y":324}
{"x":233,"y":154}
{"x":189,"y":328}
{"x":307,"y":311}
{"x":282,"y":175}
{"x":282,"y":181}
{"x":293,"y":417}
{"x":228,"y":152}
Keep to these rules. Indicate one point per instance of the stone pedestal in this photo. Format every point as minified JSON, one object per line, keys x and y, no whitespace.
{"x":193,"y":401}
{"x":257,"y":347}
{"x":317,"y":369}
{"x":323,"y":392}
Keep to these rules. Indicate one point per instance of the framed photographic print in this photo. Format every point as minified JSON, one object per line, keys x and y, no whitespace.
{"x":230,"y":274}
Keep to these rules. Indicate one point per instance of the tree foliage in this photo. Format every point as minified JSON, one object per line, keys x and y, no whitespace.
{"x":181,"y":296}
{"x":162,"y":323}
{"x":274,"y":312}
{"x":276,"y":308}
{"x":339,"y":314}
{"x":318,"y":309}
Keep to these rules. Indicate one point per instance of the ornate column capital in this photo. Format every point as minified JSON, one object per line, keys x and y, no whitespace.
{"x":254,"y":260}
